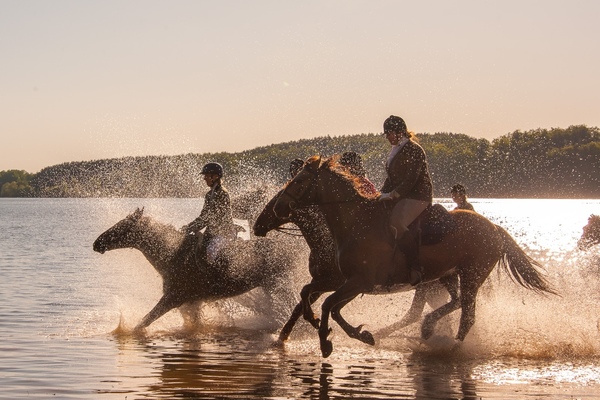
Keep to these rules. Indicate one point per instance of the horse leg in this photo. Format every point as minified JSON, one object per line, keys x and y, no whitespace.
{"x":351,"y":331}
{"x":300,"y":309}
{"x":164,"y":304}
{"x":349,"y":290}
{"x":412,"y":315}
{"x":468,"y":296}
{"x":289,"y":325}
{"x":309,"y":294}
{"x":190,"y":313}
{"x":451,"y":284}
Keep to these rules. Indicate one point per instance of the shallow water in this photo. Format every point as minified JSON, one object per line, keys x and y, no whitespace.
{"x":66,"y":315}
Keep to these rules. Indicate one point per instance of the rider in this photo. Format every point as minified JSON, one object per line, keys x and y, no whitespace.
{"x":408,"y":186}
{"x":216,"y":215}
{"x":295,"y":166}
{"x":459,"y":195}
{"x":353,"y":161}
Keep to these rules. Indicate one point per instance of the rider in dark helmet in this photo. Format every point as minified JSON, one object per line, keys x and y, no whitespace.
{"x":407,"y":186}
{"x":216,"y":214}
{"x":353,"y":162}
{"x":459,"y":195}
{"x":295,"y":166}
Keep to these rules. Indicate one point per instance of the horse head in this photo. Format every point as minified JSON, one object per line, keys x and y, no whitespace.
{"x":300,"y":191}
{"x":321,"y":182}
{"x":124,"y":233}
{"x":591,"y":233}
{"x":267,"y":219}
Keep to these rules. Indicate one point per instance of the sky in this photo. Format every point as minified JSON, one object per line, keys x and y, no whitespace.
{"x":84,"y":80}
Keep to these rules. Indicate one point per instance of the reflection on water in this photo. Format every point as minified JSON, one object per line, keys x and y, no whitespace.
{"x":232,"y":363}
{"x":60,"y":303}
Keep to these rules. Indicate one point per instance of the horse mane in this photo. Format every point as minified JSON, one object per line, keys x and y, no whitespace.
{"x":172,"y":234}
{"x":332,"y":164}
{"x":159,"y":225}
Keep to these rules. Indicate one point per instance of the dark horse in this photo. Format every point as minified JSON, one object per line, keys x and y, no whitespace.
{"x":368,"y":259}
{"x":591,"y":233}
{"x":326,"y":275}
{"x":186,"y":279}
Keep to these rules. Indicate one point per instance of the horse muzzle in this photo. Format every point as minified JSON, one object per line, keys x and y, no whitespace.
{"x":99,"y":247}
{"x":259,"y":231}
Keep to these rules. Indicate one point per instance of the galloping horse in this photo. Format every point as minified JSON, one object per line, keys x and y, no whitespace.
{"x":591,"y":233}
{"x":368,"y":259}
{"x":326,"y":275}
{"x":187,"y":280}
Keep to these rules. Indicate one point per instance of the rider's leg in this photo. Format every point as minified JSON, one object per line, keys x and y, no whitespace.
{"x":215,"y":247}
{"x":405,"y":212}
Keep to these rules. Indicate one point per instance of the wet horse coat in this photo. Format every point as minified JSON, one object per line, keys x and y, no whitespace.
{"x":188,"y":281}
{"x":370,"y":263}
{"x":325,"y":273}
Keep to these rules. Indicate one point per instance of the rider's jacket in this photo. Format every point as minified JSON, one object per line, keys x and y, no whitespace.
{"x":408,"y":174}
{"x":216,"y":214}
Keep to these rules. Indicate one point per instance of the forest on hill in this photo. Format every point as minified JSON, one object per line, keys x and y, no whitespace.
{"x":541,"y":163}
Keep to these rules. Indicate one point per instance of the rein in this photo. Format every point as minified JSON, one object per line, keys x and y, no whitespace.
{"x":289,"y":231}
{"x":327,"y":203}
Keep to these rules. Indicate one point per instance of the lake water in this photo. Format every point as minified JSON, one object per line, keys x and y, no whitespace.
{"x":66,"y":315}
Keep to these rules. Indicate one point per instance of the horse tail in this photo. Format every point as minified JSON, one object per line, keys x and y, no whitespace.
{"x":523,"y":269}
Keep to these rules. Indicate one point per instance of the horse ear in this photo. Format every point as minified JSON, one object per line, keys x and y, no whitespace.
{"x":138,"y":213}
{"x":314,"y":162}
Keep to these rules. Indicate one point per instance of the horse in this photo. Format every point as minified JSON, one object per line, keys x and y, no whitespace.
{"x":187,"y":279}
{"x":326,"y":275}
{"x":591,"y":233}
{"x":368,"y":258}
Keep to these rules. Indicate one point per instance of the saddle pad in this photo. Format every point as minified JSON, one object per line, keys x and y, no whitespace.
{"x":436,"y":222}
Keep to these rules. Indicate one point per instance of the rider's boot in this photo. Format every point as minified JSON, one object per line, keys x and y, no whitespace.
{"x":410,"y":247}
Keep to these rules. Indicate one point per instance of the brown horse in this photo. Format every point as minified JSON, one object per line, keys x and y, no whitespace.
{"x":187,"y":280}
{"x":591,"y":233}
{"x":370,"y":262}
{"x":326,"y":275}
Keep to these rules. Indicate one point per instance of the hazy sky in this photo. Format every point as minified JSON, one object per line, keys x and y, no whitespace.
{"x":83,"y":80}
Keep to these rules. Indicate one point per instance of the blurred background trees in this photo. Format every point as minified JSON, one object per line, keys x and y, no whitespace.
{"x":541,"y":163}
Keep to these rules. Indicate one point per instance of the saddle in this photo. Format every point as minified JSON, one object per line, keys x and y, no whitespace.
{"x":432,"y":225}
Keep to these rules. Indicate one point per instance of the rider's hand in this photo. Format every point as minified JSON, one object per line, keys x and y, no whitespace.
{"x":386,"y":196}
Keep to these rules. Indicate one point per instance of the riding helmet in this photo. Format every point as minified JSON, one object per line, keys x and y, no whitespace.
{"x":394,"y":124}
{"x":213,"y":168}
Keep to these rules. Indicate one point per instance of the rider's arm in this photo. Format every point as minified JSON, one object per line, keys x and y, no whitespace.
{"x":202,"y":221}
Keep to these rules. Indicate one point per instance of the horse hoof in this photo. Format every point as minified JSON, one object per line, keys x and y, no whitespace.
{"x":315,"y":323}
{"x":426,"y":332}
{"x":367,"y":337}
{"x":457,"y":346}
{"x":282,"y":338}
{"x":138,"y":330}
{"x":326,"y":348}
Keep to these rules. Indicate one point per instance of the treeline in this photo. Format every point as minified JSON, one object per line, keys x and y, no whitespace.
{"x":541,"y":163}
{"x":15,"y":183}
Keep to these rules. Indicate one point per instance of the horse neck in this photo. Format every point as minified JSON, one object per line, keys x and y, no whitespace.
{"x":155,"y":243}
{"x":343,"y":208}
{"x":312,"y":224}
